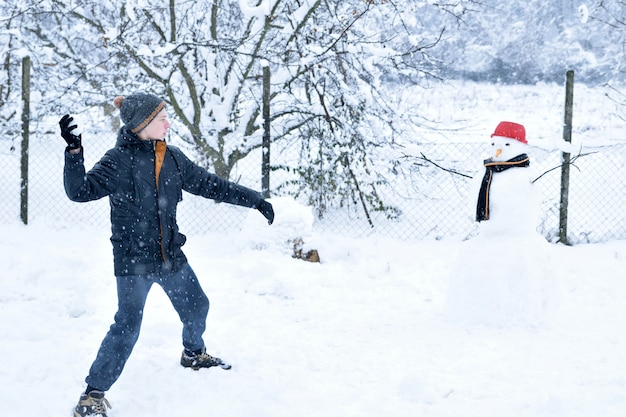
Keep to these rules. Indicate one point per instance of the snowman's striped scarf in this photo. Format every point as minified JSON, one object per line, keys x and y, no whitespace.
{"x":482,"y":208}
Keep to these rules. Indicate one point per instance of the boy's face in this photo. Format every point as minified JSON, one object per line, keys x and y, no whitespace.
{"x":157,"y":128}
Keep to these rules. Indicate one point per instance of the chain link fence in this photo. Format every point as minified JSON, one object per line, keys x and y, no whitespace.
{"x":430,"y":185}
{"x":432,"y":192}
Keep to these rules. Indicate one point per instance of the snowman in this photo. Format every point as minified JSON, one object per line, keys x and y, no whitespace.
{"x":502,"y":276}
{"x":506,"y":202}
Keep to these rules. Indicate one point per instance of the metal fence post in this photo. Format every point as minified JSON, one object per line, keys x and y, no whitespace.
{"x":265,"y":164}
{"x":25,"y":138}
{"x":567,"y":137}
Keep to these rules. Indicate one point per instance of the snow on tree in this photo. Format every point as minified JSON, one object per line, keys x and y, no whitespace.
{"x":334,"y":66}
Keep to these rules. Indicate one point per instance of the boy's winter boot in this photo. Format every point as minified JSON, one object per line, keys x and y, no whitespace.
{"x":201,"y":359}
{"x":92,"y":405}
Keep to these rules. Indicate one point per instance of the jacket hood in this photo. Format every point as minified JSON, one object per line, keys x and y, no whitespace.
{"x":127,"y":138}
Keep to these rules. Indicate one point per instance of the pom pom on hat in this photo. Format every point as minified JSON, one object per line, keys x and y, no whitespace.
{"x":511,"y":130}
{"x":138,"y":110}
{"x":117,"y":101}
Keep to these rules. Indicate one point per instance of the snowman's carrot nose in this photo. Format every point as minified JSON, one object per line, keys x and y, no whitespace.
{"x":498,"y":152}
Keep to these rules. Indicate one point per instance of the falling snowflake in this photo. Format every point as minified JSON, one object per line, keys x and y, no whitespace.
{"x":584,"y":13}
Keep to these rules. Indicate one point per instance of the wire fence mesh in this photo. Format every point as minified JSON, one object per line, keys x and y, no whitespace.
{"x":431,"y":190}
{"x":428,"y":183}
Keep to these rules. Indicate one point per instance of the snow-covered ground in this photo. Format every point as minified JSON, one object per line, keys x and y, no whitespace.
{"x":366,"y":332}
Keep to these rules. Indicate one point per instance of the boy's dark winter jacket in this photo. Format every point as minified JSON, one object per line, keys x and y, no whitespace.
{"x":145,"y":234}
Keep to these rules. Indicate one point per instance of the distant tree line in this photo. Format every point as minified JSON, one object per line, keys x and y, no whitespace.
{"x":332,"y":64}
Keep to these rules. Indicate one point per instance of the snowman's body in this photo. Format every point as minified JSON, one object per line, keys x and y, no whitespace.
{"x":513,"y":204}
{"x":500,"y":277}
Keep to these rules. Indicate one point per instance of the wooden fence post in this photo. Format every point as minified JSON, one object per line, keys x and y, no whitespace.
{"x":25,"y":138}
{"x":567,"y":137}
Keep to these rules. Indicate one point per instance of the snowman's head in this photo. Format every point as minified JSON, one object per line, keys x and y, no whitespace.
{"x":503,"y":149}
{"x":508,"y":141}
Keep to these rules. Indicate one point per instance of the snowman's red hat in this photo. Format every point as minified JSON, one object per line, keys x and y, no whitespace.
{"x":511,"y":130}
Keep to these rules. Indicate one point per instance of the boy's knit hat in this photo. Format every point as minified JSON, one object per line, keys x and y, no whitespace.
{"x":138,"y":110}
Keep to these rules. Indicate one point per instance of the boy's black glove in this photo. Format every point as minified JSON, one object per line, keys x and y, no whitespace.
{"x":67,"y":126}
{"x":267,"y":210}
